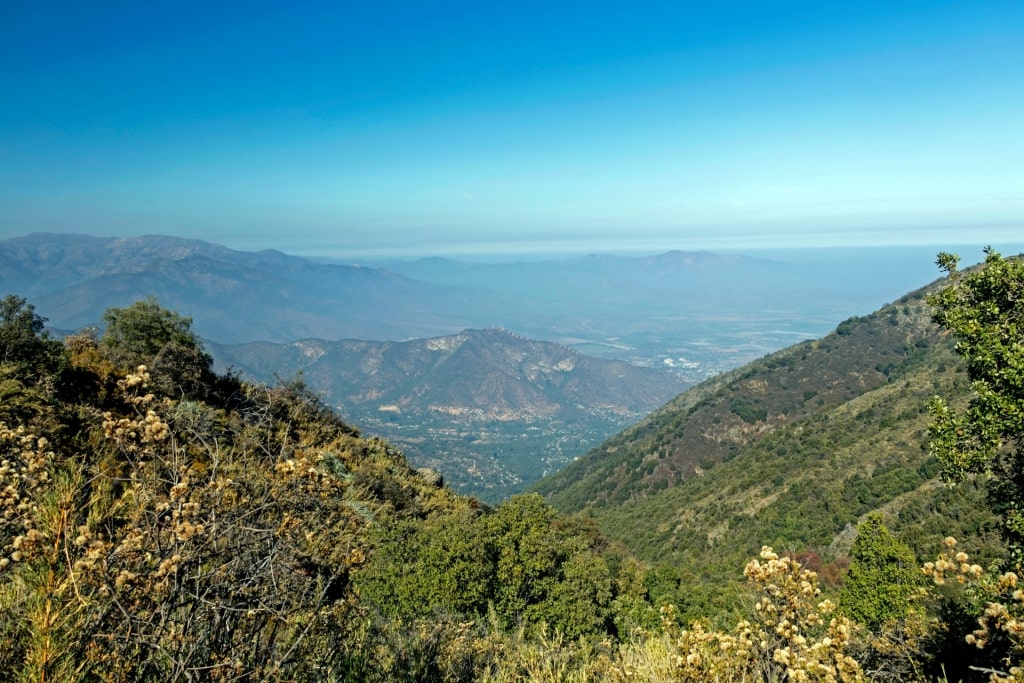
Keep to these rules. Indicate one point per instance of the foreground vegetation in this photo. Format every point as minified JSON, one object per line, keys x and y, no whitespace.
{"x":161,"y":522}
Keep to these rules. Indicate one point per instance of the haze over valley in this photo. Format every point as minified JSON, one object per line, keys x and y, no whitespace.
{"x":564,"y":353}
{"x":690,"y":313}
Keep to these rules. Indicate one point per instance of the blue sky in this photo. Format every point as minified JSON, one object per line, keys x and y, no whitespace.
{"x":396,"y":128}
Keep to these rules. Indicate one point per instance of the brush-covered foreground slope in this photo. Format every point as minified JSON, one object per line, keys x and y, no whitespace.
{"x":491,"y":410}
{"x":161,"y":522}
{"x":791,"y":450}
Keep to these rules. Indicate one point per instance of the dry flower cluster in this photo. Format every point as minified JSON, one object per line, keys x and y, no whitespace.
{"x":24,"y":475}
{"x":794,"y":636}
{"x":800,"y":633}
{"x":173,"y":551}
{"x":1003,"y":614}
{"x":953,"y":566}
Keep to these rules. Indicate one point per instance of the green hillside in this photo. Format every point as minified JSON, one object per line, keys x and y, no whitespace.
{"x":792,"y":450}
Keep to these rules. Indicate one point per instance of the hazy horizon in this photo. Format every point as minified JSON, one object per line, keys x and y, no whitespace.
{"x":969,"y":252}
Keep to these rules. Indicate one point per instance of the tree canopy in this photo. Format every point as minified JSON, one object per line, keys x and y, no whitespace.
{"x":147,"y":334}
{"x":883,"y":576}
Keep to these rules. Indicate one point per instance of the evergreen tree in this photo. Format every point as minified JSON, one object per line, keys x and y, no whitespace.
{"x":23,"y":341}
{"x":883,"y":576}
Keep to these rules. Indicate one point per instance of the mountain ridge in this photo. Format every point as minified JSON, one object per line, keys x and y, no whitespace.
{"x":73,"y":279}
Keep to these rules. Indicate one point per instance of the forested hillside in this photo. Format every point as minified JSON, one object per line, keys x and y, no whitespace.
{"x":714,"y":421}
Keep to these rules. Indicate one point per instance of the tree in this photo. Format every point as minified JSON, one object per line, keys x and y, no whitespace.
{"x":441,"y":565}
{"x":547,"y":571}
{"x":883,"y":576}
{"x":147,"y":334}
{"x":30,"y":362}
{"x":984,"y":308}
{"x":23,"y":340}
{"x":524,"y":560}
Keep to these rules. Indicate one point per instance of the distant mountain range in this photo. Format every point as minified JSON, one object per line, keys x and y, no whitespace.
{"x":232,"y":296}
{"x":489,"y":409}
{"x":692,"y":313}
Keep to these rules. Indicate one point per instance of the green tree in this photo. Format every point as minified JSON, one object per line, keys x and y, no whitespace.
{"x":439,"y":565}
{"x":883,"y":576}
{"x":147,"y":334}
{"x":23,"y":341}
{"x":30,"y":362}
{"x":547,"y":571}
{"x":984,"y":308}
{"x":533,"y":566}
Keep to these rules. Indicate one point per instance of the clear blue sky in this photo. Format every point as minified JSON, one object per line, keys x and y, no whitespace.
{"x":448,"y":127}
